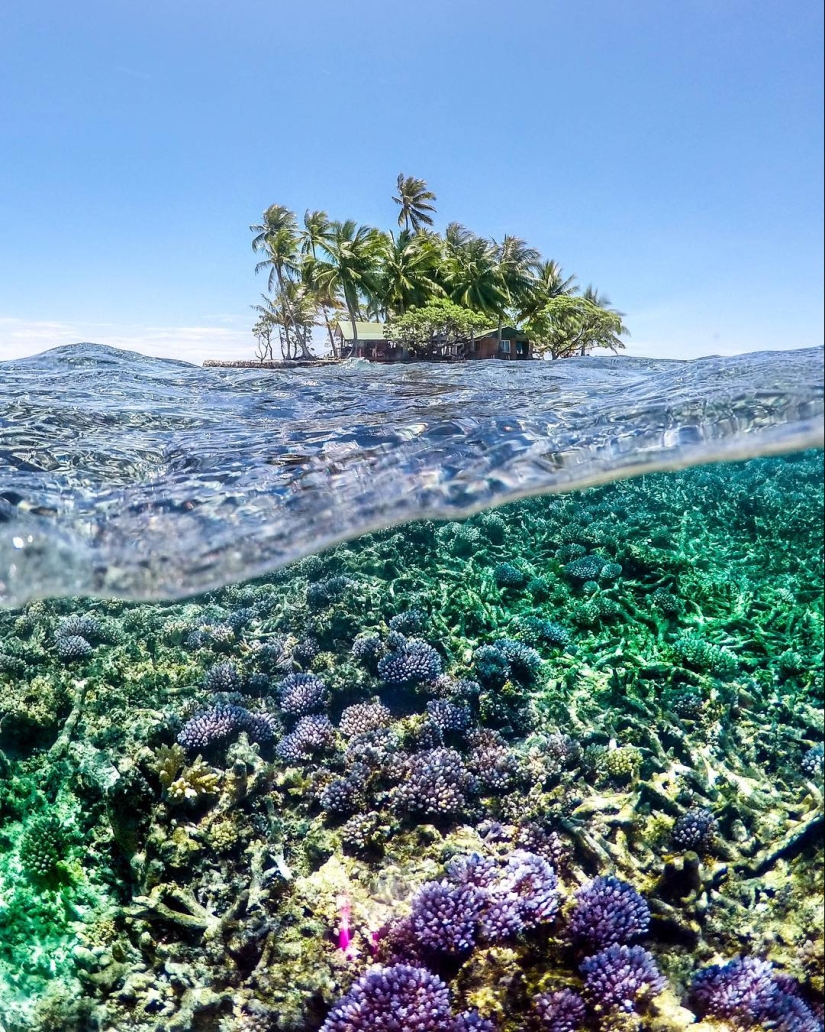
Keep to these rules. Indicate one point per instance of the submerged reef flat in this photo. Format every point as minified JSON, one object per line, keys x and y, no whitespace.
{"x":556,"y":767}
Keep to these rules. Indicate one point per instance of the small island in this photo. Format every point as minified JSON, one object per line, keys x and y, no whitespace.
{"x":413,"y":294}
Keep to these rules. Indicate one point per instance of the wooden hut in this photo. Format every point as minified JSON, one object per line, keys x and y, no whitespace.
{"x":508,"y":343}
{"x":368,"y":341}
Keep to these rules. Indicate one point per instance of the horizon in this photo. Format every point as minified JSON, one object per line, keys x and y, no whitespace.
{"x":681,"y":173}
{"x":602,"y":354}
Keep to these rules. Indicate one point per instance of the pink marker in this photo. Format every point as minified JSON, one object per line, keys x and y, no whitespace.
{"x":344,"y":928}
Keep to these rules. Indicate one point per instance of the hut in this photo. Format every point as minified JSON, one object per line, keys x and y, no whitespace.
{"x":368,"y":341}
{"x":506,"y":343}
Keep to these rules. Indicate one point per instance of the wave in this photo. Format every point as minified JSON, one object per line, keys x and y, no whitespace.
{"x":146,"y":478}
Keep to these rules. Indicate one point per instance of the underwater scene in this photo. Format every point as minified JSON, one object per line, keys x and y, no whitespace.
{"x":511,"y":761}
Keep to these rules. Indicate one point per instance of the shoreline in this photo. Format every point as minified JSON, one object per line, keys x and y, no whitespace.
{"x":293,"y":363}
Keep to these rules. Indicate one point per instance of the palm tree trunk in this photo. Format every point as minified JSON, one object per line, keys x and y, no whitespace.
{"x":354,"y":328}
{"x":287,"y":304}
{"x":331,"y":334}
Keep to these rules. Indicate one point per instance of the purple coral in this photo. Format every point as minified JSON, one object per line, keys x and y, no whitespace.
{"x":607,"y":911}
{"x":533,"y":881}
{"x":561,"y":1011}
{"x":223,"y":677}
{"x":411,"y":621}
{"x":324,"y":592}
{"x":436,"y":784}
{"x":495,"y":766}
{"x":455,"y":688}
{"x":448,"y":716}
{"x":522,"y":894}
{"x":588,"y":567}
{"x":524,"y":661}
{"x":72,"y":646}
{"x":364,"y":717}
{"x":312,"y":734}
{"x":342,"y":795}
{"x":694,"y":829}
{"x":492,"y":666}
{"x":398,"y":998}
{"x":412,"y":662}
{"x":444,"y":917}
{"x":619,"y":976}
{"x":369,"y":650}
{"x":506,"y":658}
{"x":301,"y":694}
{"x":742,"y":989}
{"x":471,"y":1021}
{"x":813,"y":761}
{"x":790,"y":1013}
{"x":220,"y":722}
{"x":83,"y":626}
{"x":481,"y":871}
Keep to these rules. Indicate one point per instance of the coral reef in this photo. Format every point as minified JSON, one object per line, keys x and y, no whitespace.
{"x":556,"y":767}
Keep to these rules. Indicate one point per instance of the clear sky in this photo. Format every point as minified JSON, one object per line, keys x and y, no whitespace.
{"x":669,"y":151}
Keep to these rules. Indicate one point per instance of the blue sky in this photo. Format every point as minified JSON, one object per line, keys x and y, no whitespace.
{"x":669,"y":152}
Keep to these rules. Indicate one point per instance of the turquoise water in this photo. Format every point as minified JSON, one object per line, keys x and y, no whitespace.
{"x":226,"y":811}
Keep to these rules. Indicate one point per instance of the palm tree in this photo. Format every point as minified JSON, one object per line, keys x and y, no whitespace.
{"x":351,"y":266}
{"x":470,"y":272}
{"x":277,"y":238}
{"x":414,"y":198}
{"x":517,"y":265}
{"x":316,"y":231}
{"x":293,"y":312}
{"x":592,"y":295}
{"x":407,"y":273}
{"x":549,"y":282}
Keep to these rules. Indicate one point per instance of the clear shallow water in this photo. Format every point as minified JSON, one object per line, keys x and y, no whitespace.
{"x":217,"y":813}
{"x":129,"y":476}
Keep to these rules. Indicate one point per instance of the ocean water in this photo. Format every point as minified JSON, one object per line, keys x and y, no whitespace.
{"x":411,"y":700}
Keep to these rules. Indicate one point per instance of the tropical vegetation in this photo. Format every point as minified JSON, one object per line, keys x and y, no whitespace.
{"x":428,"y":287}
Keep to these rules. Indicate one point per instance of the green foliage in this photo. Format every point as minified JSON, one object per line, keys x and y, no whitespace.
{"x":422,"y":331}
{"x":568,"y":325}
{"x":326,"y":265}
{"x":414,"y":200}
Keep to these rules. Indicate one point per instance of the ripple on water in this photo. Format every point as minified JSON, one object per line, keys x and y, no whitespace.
{"x":144,"y":478}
